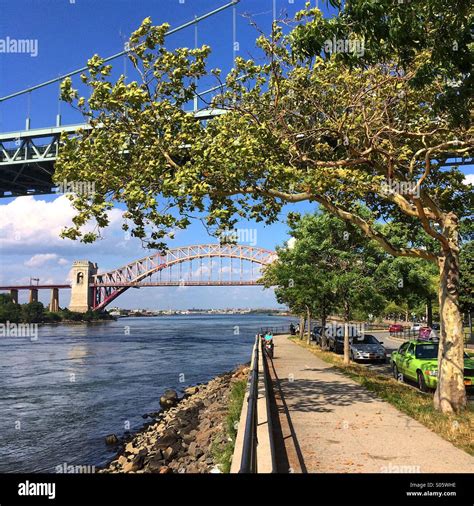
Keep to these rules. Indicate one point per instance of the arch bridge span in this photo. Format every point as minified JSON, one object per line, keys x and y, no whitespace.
{"x":207,"y":265}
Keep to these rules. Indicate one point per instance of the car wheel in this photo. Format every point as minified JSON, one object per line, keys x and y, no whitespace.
{"x":395,"y":371}
{"x":421,"y":382}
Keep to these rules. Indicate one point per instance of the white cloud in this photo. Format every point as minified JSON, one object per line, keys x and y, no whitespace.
{"x":469,"y":179}
{"x":35,"y":225}
{"x":41,"y":259}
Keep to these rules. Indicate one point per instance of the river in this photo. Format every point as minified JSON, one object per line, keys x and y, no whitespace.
{"x":61,"y":394}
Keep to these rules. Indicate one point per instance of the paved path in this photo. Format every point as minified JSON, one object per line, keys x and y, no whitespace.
{"x":332,"y":424}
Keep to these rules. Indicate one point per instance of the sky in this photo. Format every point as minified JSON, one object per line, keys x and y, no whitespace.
{"x":68,"y":32}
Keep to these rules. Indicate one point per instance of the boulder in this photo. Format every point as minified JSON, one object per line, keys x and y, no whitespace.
{"x":111,"y":439}
{"x":191,"y":390}
{"x":134,"y":465}
{"x":122,"y":460}
{"x":155,"y":464}
{"x":129,"y":448}
{"x":194,"y":450}
{"x":168,"y":438}
{"x":169,"y":399}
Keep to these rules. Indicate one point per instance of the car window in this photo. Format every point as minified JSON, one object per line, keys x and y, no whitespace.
{"x":427,"y":351}
{"x":403,"y":348}
{"x":367,"y":339}
{"x":411,"y":349}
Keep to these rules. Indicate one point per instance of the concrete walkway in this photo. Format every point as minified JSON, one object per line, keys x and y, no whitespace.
{"x":330,"y":424}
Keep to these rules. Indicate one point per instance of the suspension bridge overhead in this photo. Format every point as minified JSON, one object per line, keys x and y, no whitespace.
{"x":28,"y":156}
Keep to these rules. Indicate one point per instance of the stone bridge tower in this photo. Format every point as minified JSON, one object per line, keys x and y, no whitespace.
{"x":81,"y":292}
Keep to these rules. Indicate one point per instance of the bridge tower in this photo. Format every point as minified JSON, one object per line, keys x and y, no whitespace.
{"x":81,"y":291}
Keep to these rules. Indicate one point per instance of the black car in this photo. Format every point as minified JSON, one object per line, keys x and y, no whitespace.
{"x":336,"y":343}
{"x":316,"y":334}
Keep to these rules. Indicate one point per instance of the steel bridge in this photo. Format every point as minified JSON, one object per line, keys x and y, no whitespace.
{"x":27,"y":157}
{"x":197,"y":265}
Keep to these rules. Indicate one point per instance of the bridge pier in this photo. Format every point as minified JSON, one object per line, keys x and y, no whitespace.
{"x":33,"y":295}
{"x":81,"y":291}
{"x":54,"y":301}
{"x":14,"y":295}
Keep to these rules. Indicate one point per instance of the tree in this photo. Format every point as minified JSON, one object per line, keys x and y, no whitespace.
{"x":399,"y":31}
{"x":9,"y":311}
{"x":408,"y":282}
{"x":296,"y":128}
{"x":466,"y":259}
{"x":33,"y":312}
{"x":329,"y":267}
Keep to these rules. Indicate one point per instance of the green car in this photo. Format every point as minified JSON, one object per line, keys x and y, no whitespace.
{"x":417,"y":360}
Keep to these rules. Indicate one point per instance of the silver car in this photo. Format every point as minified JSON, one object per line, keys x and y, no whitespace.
{"x":366,"y":347}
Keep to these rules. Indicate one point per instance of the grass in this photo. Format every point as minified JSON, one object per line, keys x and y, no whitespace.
{"x":223,"y":451}
{"x":457,"y":429}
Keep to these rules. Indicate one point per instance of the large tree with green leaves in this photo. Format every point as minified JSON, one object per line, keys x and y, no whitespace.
{"x":297,"y":128}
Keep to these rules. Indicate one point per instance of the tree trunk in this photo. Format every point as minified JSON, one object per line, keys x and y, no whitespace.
{"x":324,"y":339}
{"x":308,"y":339}
{"x":302,"y":325}
{"x":346,"y":343}
{"x":450,"y":396}
{"x":429,"y":312}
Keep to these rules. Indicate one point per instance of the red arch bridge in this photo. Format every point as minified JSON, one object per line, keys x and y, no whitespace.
{"x":197,"y":265}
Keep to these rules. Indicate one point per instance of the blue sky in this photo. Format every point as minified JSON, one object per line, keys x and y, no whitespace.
{"x":68,"y":33}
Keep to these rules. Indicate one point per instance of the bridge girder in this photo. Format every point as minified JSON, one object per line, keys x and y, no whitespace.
{"x":109,"y":285}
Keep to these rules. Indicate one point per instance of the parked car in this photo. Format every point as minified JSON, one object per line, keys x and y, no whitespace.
{"x":316,"y":334}
{"x":417,"y":360}
{"x":416,"y":326}
{"x":367,"y":347}
{"x":395,"y":327}
{"x":436,"y":326}
{"x":336,"y":343}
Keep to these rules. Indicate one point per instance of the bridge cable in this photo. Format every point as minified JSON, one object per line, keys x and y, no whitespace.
{"x":198,"y":19}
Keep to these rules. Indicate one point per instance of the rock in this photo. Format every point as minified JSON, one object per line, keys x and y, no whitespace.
{"x":169,"y":438}
{"x":191,"y":390}
{"x":134,"y":465}
{"x":188,"y":438}
{"x":194,"y":450}
{"x":155,"y":464}
{"x":130,"y":448}
{"x":111,"y":439}
{"x":165,"y":470}
{"x":122,"y":460}
{"x":169,"y":399}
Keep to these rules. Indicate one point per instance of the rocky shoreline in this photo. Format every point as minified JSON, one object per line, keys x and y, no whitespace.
{"x":184,"y":434}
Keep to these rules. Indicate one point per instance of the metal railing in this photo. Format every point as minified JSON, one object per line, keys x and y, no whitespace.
{"x":249,"y":451}
{"x":283,"y":329}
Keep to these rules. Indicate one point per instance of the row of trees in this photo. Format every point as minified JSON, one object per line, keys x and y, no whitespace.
{"x":329,"y":267}
{"x":301,"y":124}
{"x":35,"y":312}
